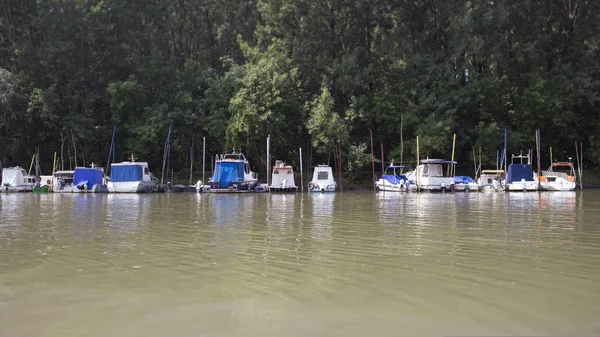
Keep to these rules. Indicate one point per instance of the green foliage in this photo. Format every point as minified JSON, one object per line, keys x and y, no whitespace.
{"x":307,"y":73}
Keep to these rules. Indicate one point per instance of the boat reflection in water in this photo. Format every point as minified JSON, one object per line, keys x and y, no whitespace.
{"x":127,"y":215}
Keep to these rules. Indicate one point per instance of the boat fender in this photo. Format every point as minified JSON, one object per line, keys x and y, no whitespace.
{"x":311,"y":186}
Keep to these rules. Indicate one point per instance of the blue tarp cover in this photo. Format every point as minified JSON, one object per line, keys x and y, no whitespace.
{"x":228,"y":171}
{"x":463,"y":180}
{"x":88,"y":175}
{"x":126,"y":173}
{"x":516,"y":172}
{"x":395,"y":180}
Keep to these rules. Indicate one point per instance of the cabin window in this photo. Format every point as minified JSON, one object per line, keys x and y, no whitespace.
{"x":276,"y":172}
{"x":490,"y":180}
{"x":289,"y":172}
{"x":426,"y":168}
{"x":47,"y":182}
{"x":440,"y":170}
{"x":323,"y":176}
{"x":551,"y":178}
{"x":146,"y":170}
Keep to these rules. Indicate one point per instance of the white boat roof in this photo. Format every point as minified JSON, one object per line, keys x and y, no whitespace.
{"x":437,"y":161}
{"x":64,"y":172}
{"x":129,"y":163}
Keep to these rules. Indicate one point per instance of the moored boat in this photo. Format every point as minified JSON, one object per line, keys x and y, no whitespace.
{"x":89,"y":180}
{"x":465,"y":183}
{"x":16,"y":179}
{"x":322,"y":180}
{"x":232,"y":174}
{"x":553,"y":180}
{"x":429,"y":176}
{"x":519,"y":176}
{"x":63,"y":181}
{"x":282,"y":178}
{"x":395,"y":181}
{"x":131,"y":177}
{"x":491,"y":181}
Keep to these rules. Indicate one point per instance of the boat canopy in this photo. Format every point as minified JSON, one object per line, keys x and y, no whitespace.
{"x":395,"y":179}
{"x":14,"y":176}
{"x":399,"y":167}
{"x":437,"y":161}
{"x":463,"y":180}
{"x":123,"y":173}
{"x":492,"y":171}
{"x":518,"y":172}
{"x":89,"y":176}
{"x":228,"y":171}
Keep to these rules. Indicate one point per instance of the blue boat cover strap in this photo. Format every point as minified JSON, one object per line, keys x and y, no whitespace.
{"x":463,"y":180}
{"x":126,"y":173}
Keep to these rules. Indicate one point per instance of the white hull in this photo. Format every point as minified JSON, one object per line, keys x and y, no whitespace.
{"x":65,"y":189}
{"x":519,"y":186}
{"x":17,"y":189}
{"x":490,"y":188}
{"x":386,"y":186}
{"x":471,"y":187}
{"x":131,"y":187}
{"x":558,"y":186}
{"x":330,"y":188}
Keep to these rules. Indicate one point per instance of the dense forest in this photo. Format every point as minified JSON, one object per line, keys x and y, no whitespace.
{"x":310,"y":73}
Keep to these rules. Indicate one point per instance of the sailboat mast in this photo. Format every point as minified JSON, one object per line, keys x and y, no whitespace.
{"x":401,"y":140}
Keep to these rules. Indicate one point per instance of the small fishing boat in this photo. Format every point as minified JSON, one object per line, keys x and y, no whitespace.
{"x":429,"y":176}
{"x":282,"y":178}
{"x":131,"y":177}
{"x":553,"y":180}
{"x":322,"y":180}
{"x":232,"y":174}
{"x":40,"y":189}
{"x":16,"y":179}
{"x":63,"y":181}
{"x":465,"y":183}
{"x":491,"y":181}
{"x":89,"y":180}
{"x":519,"y":176}
{"x":396,"y":181}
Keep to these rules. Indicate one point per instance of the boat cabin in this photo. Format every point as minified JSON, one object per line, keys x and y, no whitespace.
{"x":322,"y":180}
{"x":282,"y":178}
{"x":430,"y":176}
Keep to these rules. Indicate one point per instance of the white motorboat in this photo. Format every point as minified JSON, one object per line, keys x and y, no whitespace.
{"x":131,"y":177}
{"x":396,"y":181}
{"x":552,"y":180}
{"x":465,"y":184}
{"x":429,"y":176}
{"x":322,"y":180}
{"x":16,"y":179}
{"x":491,"y":181}
{"x":282,"y":178}
{"x":519,"y":176}
{"x":232,"y":174}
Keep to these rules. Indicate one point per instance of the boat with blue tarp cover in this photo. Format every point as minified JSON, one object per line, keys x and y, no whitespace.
{"x":519,"y":176}
{"x":232,"y":174}
{"x":89,"y":180}
{"x":131,"y":177}
{"x":396,"y":181}
{"x":465,"y":183}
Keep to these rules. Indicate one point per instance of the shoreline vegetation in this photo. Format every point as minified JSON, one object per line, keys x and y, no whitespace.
{"x":313,"y":75}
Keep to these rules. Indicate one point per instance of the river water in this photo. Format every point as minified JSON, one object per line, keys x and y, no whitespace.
{"x":345,"y":264}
